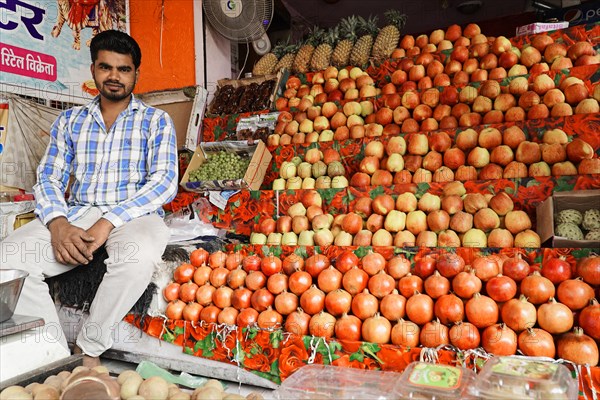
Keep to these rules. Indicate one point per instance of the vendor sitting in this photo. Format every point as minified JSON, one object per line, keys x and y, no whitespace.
{"x":122,"y":157}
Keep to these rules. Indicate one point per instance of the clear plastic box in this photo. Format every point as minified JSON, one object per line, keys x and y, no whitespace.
{"x":330,"y":382}
{"x":519,"y":378}
{"x":427,"y":381}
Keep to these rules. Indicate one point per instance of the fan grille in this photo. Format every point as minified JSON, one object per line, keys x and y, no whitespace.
{"x":239,"y":20}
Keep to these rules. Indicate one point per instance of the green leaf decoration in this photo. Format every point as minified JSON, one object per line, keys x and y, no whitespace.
{"x":255,"y":194}
{"x":179,"y":330}
{"x":362,"y":251}
{"x":188,"y":350}
{"x":207,"y":345}
{"x":301,"y":251}
{"x":275,"y":338}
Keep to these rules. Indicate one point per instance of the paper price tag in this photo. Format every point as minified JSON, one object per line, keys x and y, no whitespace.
{"x":221,"y":198}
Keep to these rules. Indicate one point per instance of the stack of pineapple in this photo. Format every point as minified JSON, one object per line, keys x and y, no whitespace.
{"x":352,"y":42}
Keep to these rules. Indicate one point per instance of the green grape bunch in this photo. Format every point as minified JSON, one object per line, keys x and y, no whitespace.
{"x":221,"y":166}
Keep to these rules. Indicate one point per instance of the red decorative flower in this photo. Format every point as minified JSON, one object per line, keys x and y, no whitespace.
{"x":293,"y":356}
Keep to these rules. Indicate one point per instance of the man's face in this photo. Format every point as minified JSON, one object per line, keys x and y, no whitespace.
{"x":114,"y":75}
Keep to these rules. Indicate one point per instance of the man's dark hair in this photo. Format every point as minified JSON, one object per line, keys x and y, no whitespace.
{"x":116,"y":41}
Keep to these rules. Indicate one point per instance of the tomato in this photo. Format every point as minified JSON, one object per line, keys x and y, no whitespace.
{"x":171,"y":291}
{"x":184,"y":273}
{"x":198,"y":257}
{"x":557,"y":270}
{"x":501,"y":288}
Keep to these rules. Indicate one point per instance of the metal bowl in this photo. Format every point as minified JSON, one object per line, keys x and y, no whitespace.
{"x":11,"y":283}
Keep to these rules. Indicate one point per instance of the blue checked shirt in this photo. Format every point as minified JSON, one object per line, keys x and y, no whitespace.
{"x":127,"y":172}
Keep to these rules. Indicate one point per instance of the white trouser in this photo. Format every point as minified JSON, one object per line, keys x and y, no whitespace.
{"x":134,"y":251}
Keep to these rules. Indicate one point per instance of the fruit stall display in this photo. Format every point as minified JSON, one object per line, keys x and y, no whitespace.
{"x":397,"y":220}
{"x":83,"y":382}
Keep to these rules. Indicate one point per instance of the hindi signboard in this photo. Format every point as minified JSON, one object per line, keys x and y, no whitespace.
{"x":44,"y":45}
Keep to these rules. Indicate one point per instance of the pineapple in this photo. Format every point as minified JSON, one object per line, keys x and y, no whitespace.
{"x":362,"y":48}
{"x":287,"y":57}
{"x":347,"y":32}
{"x":322,"y":54}
{"x":302,"y":59}
{"x":265,"y":65}
{"x":389,"y":35}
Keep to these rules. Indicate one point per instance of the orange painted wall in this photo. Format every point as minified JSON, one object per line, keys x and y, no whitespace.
{"x":178,"y":55}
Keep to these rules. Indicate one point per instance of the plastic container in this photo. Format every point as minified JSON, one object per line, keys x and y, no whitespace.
{"x":330,"y":382}
{"x":427,"y":381}
{"x":11,"y":283}
{"x":521,"y":378}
